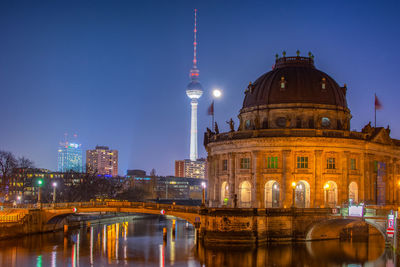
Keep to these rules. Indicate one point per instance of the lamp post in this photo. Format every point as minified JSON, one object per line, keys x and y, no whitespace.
{"x":40,"y":182}
{"x":293,"y":193}
{"x":217,"y":93}
{"x":203,"y":200}
{"x":326,"y":188}
{"x":54,"y":192}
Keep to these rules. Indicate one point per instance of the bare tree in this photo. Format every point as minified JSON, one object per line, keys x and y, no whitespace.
{"x":25,"y":163}
{"x":7,"y":165}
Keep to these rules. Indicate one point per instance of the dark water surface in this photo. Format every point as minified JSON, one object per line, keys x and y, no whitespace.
{"x":139,"y":242}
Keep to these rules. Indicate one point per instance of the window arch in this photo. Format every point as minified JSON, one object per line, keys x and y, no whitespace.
{"x":272,"y":192}
{"x":353,"y":192}
{"x":245,"y":194}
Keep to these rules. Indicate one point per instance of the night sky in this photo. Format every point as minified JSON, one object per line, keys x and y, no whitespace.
{"x":115,"y":72}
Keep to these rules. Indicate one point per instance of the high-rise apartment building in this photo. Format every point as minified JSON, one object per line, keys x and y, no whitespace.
{"x":102,"y":161}
{"x":70,"y":157}
{"x":190,"y":169}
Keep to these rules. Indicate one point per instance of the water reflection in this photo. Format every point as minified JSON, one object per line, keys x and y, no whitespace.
{"x":139,"y":242}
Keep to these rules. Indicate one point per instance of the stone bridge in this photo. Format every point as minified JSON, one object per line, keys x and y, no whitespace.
{"x":213,"y":225}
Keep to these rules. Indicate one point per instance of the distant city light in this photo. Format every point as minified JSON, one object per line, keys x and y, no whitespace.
{"x":54,"y":184}
{"x":217,"y":93}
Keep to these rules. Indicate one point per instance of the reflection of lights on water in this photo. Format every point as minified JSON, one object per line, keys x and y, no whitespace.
{"x":39,"y":261}
{"x":104,"y":239}
{"x":161,"y":248}
{"x":172,"y":252}
{"x":54,"y":257}
{"x":91,"y":245}
{"x":73,"y":260}
{"x":77,"y":246}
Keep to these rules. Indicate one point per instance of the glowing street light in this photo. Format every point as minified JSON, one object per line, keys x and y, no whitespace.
{"x":203,"y":201}
{"x":54,"y":192}
{"x":326,"y":188}
{"x":293,"y":193}
{"x":40,"y":183}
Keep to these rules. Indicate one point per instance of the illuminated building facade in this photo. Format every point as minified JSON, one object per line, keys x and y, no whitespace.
{"x":294,"y":146}
{"x":70,"y":157}
{"x":102,"y":161}
{"x":169,"y":187}
{"x":191,"y":169}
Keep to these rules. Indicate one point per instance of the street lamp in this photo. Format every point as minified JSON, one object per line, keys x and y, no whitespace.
{"x":203,"y":201}
{"x":54,"y":192}
{"x":326,"y":188}
{"x":293,"y":193}
{"x":40,"y":182}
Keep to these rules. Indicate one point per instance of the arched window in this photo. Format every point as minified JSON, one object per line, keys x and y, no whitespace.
{"x":353,"y":192}
{"x":302,"y":194}
{"x":224,"y":193}
{"x":245,"y":194}
{"x":330,"y":194}
{"x":272,"y":192}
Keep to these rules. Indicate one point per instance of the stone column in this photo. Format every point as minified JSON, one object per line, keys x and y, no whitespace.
{"x":256,"y":193}
{"x":231,"y":177}
{"x":210,"y":179}
{"x":287,"y":178}
{"x":318,"y":183}
{"x":369,"y":183}
{"x":343,"y":187}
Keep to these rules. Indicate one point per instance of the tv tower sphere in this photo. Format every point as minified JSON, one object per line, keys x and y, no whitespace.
{"x":194,"y":91}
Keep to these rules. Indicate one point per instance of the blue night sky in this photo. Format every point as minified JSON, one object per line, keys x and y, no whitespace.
{"x":115,"y":72}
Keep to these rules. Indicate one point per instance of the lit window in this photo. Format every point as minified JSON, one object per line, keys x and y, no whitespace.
{"x":302,"y":162}
{"x":330,"y":163}
{"x":325,"y":122}
{"x":245,"y":163}
{"x":272,"y":162}
{"x":353,"y":164}
{"x":282,"y":83}
{"x":323,"y":84}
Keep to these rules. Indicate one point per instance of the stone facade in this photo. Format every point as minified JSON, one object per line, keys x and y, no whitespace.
{"x":294,"y":147}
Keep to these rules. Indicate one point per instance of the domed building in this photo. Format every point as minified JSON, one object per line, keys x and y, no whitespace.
{"x":294,"y":146}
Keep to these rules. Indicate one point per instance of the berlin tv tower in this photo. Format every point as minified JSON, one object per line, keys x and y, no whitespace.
{"x":194,"y":91}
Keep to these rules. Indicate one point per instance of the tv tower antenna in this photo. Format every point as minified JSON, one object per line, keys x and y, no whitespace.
{"x":194,"y":91}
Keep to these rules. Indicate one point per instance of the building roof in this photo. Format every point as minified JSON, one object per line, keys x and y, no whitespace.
{"x":302,"y":84}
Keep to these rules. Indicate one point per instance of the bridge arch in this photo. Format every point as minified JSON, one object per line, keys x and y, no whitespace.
{"x":331,"y":228}
{"x":54,"y":216}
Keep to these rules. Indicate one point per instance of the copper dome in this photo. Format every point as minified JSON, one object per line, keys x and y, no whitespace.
{"x":302,"y":83}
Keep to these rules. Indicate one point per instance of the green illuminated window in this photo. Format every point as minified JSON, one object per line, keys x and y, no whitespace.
{"x":353,"y":164}
{"x":302,"y":162}
{"x":245,"y":163}
{"x":272,"y":162}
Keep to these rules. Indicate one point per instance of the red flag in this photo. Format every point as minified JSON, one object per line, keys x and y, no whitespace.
{"x":378,"y":104}
{"x":210,"y":110}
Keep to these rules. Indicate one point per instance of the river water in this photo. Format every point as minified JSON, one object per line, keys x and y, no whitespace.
{"x":139,"y":242}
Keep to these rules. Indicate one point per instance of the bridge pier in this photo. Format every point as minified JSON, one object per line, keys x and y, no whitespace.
{"x":256,"y":226}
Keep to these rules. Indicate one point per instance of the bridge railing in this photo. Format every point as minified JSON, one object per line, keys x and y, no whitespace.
{"x":121,"y":204}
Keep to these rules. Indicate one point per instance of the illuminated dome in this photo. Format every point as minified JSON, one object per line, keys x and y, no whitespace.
{"x":295,"y":95}
{"x":295,"y":80}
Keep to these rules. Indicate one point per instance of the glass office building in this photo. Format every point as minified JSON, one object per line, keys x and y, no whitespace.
{"x":70,"y":157}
